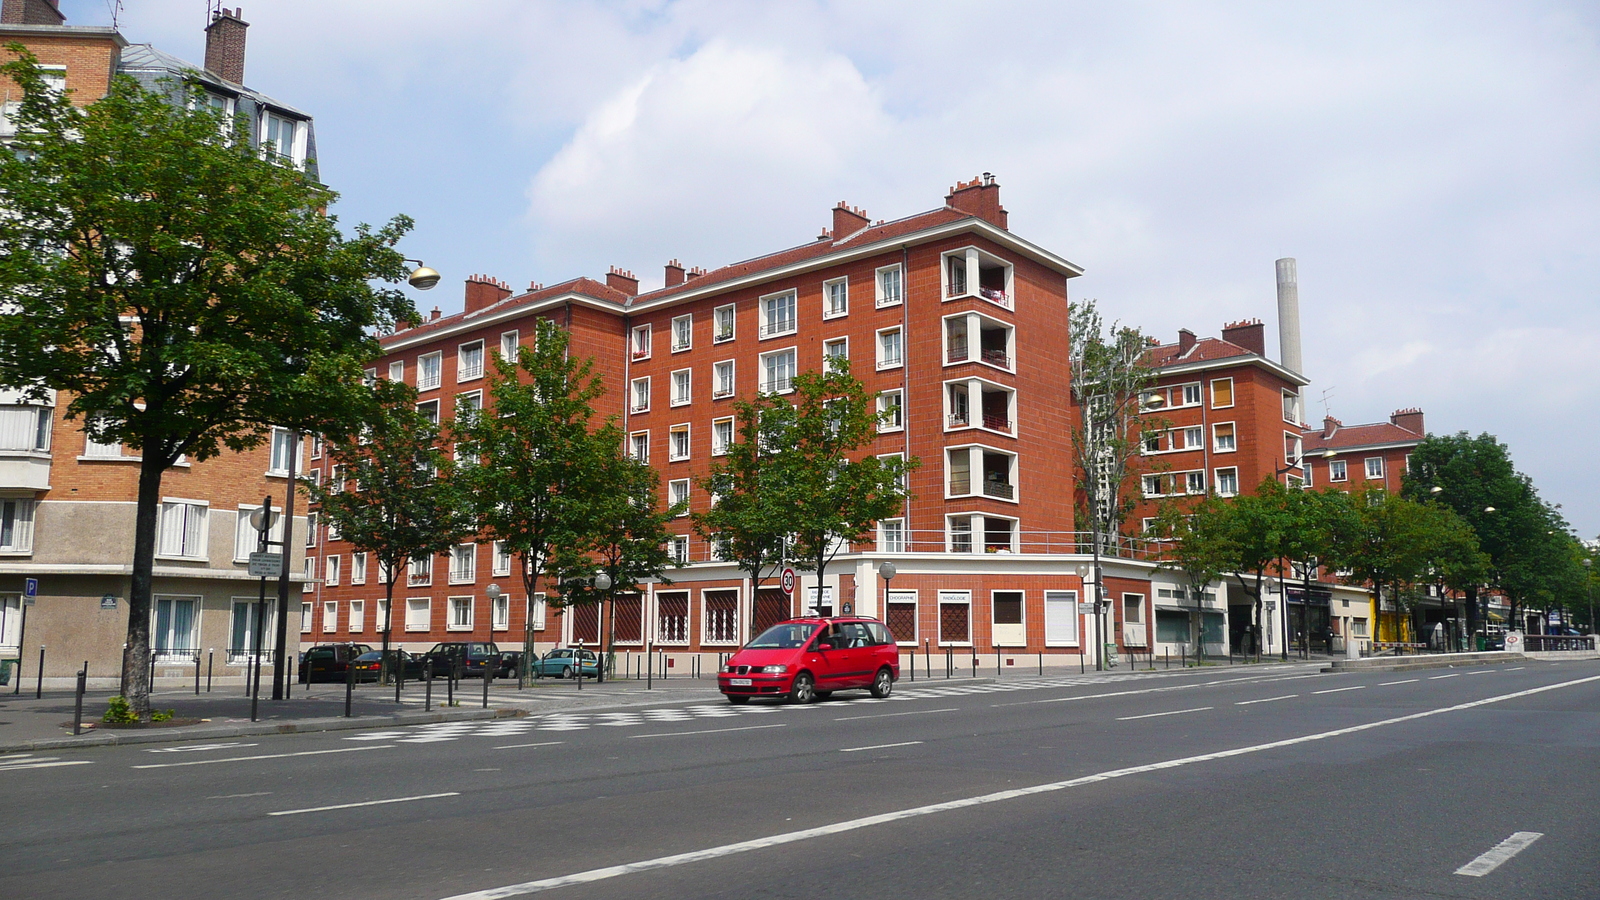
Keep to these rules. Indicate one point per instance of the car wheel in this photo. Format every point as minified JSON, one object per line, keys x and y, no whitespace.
{"x":804,"y":689}
{"x":882,"y":683}
{"x":737,"y":699}
{"x":566,"y":672}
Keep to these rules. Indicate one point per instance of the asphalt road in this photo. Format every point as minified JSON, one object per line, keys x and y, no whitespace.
{"x":1272,"y":782}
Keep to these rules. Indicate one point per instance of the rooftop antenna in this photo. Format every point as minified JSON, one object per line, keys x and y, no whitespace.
{"x":115,"y":8}
{"x":1327,"y":411}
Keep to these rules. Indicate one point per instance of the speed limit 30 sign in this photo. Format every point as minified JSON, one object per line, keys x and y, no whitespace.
{"x":786,"y":580}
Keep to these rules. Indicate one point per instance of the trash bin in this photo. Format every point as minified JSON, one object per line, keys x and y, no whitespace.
{"x":1483,"y":642}
{"x":5,"y":671}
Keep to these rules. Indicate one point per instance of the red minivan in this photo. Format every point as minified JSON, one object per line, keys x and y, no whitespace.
{"x":805,"y":659}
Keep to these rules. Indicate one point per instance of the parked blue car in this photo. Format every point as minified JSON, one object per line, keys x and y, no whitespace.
{"x":563,"y":662}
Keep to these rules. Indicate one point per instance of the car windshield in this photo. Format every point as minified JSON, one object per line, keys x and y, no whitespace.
{"x":560,"y":654}
{"x":787,"y":636}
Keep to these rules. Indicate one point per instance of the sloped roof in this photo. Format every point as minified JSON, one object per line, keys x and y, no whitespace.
{"x":583,"y":287}
{"x":1351,"y":437}
{"x":1204,"y":350}
{"x":145,"y":59}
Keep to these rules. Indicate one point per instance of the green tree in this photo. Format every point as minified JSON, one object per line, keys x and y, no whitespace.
{"x":798,"y":473}
{"x":184,"y":293}
{"x":1199,"y":552}
{"x":391,"y":491}
{"x":1399,"y":544}
{"x":530,"y":460}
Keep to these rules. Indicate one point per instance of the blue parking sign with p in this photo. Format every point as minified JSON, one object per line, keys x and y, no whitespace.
{"x":30,"y":587}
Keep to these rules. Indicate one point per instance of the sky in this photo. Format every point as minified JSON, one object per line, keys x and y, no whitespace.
{"x":1431,"y":166}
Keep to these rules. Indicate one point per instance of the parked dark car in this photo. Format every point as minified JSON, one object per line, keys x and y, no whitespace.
{"x":329,"y":662}
{"x":470,"y":658}
{"x":510,"y":664}
{"x":367,"y":664}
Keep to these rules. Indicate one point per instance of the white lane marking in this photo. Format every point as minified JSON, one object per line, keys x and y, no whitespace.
{"x":541,"y":744}
{"x":1407,"y":681}
{"x":707,"y":731}
{"x":196,"y":747}
{"x":878,"y":746}
{"x":207,"y":762}
{"x":296,"y":812}
{"x":663,"y":862}
{"x":1484,"y":672}
{"x":1359,"y":687}
{"x":1517,"y":669}
{"x":238,"y":796}
{"x":1266,"y":699}
{"x":46,"y":763}
{"x":915,"y":712}
{"x":1159,"y":690}
{"x":1437,"y":677}
{"x":1499,"y":853}
{"x":1172,"y":712}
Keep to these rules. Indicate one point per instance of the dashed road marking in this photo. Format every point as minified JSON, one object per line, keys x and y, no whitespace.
{"x":878,"y":746}
{"x":707,"y":731}
{"x":1358,"y":687}
{"x":296,"y":812}
{"x":1170,"y":712}
{"x":1266,"y":699}
{"x":1497,"y":855}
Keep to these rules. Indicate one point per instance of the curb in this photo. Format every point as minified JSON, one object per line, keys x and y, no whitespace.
{"x":290,"y":726}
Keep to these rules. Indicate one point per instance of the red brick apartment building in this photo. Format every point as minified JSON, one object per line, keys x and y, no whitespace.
{"x":957,"y":324}
{"x":1358,"y":457}
{"x":66,"y":502}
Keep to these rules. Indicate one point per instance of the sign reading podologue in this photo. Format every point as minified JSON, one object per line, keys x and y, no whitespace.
{"x":786,"y":580}
{"x":265,"y":565}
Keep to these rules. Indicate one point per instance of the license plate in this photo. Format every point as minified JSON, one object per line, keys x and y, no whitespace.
{"x":739,"y":682}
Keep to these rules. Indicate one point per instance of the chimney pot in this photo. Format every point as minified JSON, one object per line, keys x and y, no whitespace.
{"x":620,"y":280}
{"x":484,"y":291}
{"x":847,"y":220}
{"x":1249,"y":334}
{"x":1409,"y":419}
{"x":225,"y":39}
{"x":675,"y":274}
{"x":979,"y":197}
{"x":434,"y":316}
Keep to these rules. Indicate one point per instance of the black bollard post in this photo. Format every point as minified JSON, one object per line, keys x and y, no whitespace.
{"x":487,"y":674}
{"x":197,"y":673}
{"x":77,"y":711}
{"x":349,"y":686}
{"x":1183,"y":655}
{"x":450,"y":687}
{"x":997,"y":664}
{"x":927,"y":659}
{"x":913,"y":664}
{"x":38,"y":685}
{"x":1041,"y":665}
{"x":210,"y":658}
{"x":974,"y":665}
{"x":1080,"y":661}
{"x":427,"y":690}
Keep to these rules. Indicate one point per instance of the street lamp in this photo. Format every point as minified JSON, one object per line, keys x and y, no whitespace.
{"x":422,"y":278}
{"x":886,"y":571}
{"x":494,"y":593}
{"x":602,"y":583}
{"x":1588,"y":588}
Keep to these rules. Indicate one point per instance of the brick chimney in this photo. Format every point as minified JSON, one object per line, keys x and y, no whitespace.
{"x":1330,"y":426}
{"x":619,"y":280}
{"x":1249,"y":334}
{"x":1409,"y":419}
{"x":695,"y":272}
{"x":483,"y":291}
{"x":675,"y":274}
{"x":434,"y":315}
{"x":31,"y":12}
{"x":848,"y":220}
{"x":979,"y":197}
{"x":225,"y":44}
{"x":1185,"y":341}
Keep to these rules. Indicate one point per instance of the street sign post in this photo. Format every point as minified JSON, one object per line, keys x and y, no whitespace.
{"x":265,"y":565}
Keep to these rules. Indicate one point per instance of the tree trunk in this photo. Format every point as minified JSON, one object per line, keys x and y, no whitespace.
{"x":385,"y":667}
{"x":136,"y":662}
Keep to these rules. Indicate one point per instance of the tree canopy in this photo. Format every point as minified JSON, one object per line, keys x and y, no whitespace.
{"x":1109,"y":377}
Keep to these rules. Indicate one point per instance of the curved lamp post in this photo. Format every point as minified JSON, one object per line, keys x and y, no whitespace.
{"x":422,"y":278}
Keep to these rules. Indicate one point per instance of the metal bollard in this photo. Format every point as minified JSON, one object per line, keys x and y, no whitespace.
{"x":487,"y":675}
{"x":974,"y":665}
{"x":1041,"y":665}
{"x":427,"y":692}
{"x":38,"y":686}
{"x":1080,"y":661}
{"x":997,"y":664}
{"x":913,"y":665}
{"x":77,"y":711}
{"x":349,"y":685}
{"x":210,"y":658}
{"x":197,"y":673}
{"x":450,"y":687}
{"x":949,"y":663}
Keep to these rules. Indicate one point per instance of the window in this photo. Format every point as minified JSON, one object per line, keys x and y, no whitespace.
{"x":1194,"y":482}
{"x":672,"y":618}
{"x":777,"y":371}
{"x":331,"y":571}
{"x":16,"y":525}
{"x":1173,"y":484}
{"x":510,"y":341}
{"x":722,"y":379}
{"x":680,"y":387}
{"x":460,"y":614}
{"x":1291,"y":407}
{"x":1221,"y":393}
{"x":397,"y":370}
{"x":722,"y":324}
{"x":955,"y":274}
{"x":778,"y":315}
{"x":834,"y":350}
{"x":678,"y":446}
{"x":889,"y":348}
{"x":110,"y":449}
{"x":420,"y":573}
{"x":1374,"y":468}
{"x":891,"y":412}
{"x":501,"y":563}
{"x":1193,"y":438}
{"x":468,"y":405}
{"x":500,"y":613}
{"x":1227,"y":482}
{"x":901,"y":617}
{"x":469,"y":361}
{"x":1338,"y":471}
{"x":358,"y":616}
{"x":279,"y":138}
{"x":1172,"y":397}
{"x":679,"y":548}
{"x":245,"y":537}
{"x":721,"y":617}
{"x":889,"y":287}
{"x":639,"y":446}
{"x":358,"y":567}
{"x":1293,"y":449}
{"x":27,"y":428}
{"x":641,"y":395}
{"x":970,"y":271}
{"x":641,"y":342}
{"x":721,"y":436}
{"x":282,"y":446}
{"x":678,"y":495}
{"x":960,"y":534}
{"x":369,"y":377}
{"x":419,"y":614}
{"x":835,"y":298}
{"x":1358,"y":627}
{"x":1222,"y":438}
{"x":309,"y":583}
{"x":183,"y":529}
{"x":176,"y":627}
{"x":429,"y":371}
{"x":900,"y":459}
{"x":682,"y":333}
{"x":380,"y":618}
{"x":463,"y":563}
{"x":305,"y":617}
{"x":892,"y":536}
{"x":954,"y":618}
{"x":330,"y":616}
{"x":311,"y":529}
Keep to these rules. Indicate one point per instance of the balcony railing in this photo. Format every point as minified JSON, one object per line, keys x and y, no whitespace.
{"x":934,"y":541}
{"x":960,"y":487}
{"x":997,"y":358}
{"x":723,"y":334}
{"x":998,"y":298}
{"x":956,"y":352}
{"x":996,"y":423}
{"x":958,"y":420}
{"x":786,"y":326}
{"x":777,"y":385}
{"x":1001,"y":489}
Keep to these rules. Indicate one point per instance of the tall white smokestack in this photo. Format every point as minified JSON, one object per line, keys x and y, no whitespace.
{"x":1289,"y":316}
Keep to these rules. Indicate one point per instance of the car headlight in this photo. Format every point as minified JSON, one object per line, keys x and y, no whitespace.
{"x":727,"y":669}
{"x":774,"y":670}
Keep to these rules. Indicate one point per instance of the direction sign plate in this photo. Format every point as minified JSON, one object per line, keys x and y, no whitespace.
{"x":265,"y":565}
{"x":1085,"y":609}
